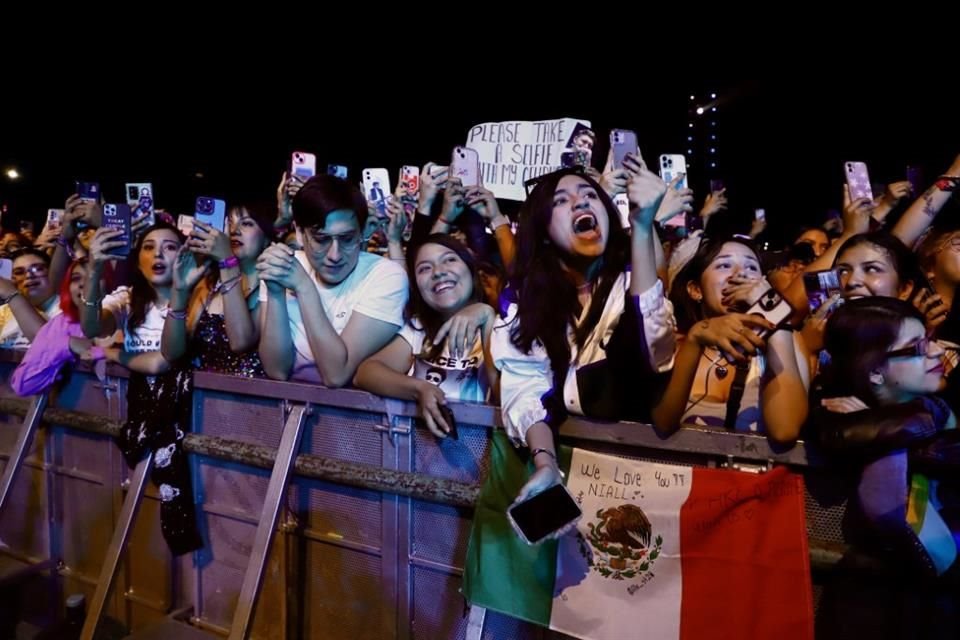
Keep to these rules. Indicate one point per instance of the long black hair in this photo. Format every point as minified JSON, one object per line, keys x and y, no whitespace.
{"x":547,"y":302}
{"x":686,"y":311}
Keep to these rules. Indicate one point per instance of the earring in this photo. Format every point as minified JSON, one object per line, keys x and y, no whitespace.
{"x":876,"y":378}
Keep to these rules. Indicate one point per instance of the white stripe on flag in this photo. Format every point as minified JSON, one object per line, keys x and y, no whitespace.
{"x":633,"y":507}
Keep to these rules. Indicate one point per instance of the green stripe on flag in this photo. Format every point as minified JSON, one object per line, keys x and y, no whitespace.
{"x":501,"y":572}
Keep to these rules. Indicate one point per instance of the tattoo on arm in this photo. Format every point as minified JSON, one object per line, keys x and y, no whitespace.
{"x":928,"y":207}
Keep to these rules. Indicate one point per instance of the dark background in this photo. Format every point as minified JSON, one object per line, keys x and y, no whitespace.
{"x":781,"y":140}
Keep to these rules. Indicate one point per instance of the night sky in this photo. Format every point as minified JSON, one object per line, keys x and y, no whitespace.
{"x":781,"y":143}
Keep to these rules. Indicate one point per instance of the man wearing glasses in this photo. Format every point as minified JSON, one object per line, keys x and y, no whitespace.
{"x":327,"y":308}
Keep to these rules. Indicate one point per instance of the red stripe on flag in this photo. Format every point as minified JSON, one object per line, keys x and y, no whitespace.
{"x":743,"y":549}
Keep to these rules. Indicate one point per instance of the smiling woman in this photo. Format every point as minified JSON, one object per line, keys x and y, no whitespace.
{"x":442,"y":353}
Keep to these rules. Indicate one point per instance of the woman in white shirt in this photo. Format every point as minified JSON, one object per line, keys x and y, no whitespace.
{"x":589,"y":329}
{"x":158,"y":392}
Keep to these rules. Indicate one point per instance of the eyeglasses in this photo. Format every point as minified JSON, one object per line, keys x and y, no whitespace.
{"x":35,"y":270}
{"x":916,"y":350}
{"x":323,"y":242}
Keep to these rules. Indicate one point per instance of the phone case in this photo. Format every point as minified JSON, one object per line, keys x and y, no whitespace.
{"x":117,"y":216}
{"x":858,"y":180}
{"x":303,"y":164}
{"x":465,"y":165}
{"x":670,"y":165}
{"x":376,"y":189}
{"x":622,"y":142}
{"x":212,"y":212}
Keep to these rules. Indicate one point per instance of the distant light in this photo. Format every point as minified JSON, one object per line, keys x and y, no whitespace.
{"x":689,"y":138}
{"x":713,"y":165}
{"x":713,"y":150}
{"x":13,"y":174}
{"x":714,"y":109}
{"x":699,"y":111}
{"x":713,"y":96}
{"x":198,"y":175}
{"x":713,"y":137}
{"x":693,"y":97}
{"x":690,"y":125}
{"x":689,"y":151}
{"x":713,"y":124}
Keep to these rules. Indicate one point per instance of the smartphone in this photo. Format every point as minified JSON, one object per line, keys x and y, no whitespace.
{"x":376,"y":189}
{"x":820,"y":287}
{"x":410,"y":184}
{"x":88,"y":191}
{"x":716,"y":185}
{"x":117,"y":216}
{"x":54,"y":218}
{"x":6,"y":268}
{"x":670,"y":165}
{"x":303,"y":164}
{"x":774,"y":308}
{"x":622,"y":142}
{"x":337,"y":170}
{"x":858,"y":181}
{"x":211,"y":211}
{"x":185,"y":224}
{"x":140,"y":195}
{"x":759,"y":214}
{"x":915,"y":178}
{"x":451,"y":421}
{"x":549,"y":511}
{"x":465,"y":164}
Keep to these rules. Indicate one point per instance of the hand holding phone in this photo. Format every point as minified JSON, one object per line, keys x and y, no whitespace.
{"x":117,"y":216}
{"x":545,"y":515}
{"x":303,"y":164}
{"x":858,"y":181}
{"x":820,"y":286}
{"x":623,"y":142}
{"x":465,"y":165}
{"x":212,"y":212}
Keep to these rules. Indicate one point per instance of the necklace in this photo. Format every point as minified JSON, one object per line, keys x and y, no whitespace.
{"x":721,"y":370}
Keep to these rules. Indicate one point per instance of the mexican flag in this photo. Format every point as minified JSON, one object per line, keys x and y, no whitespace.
{"x":662,"y":551}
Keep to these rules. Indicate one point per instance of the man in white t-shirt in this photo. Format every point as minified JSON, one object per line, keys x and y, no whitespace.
{"x":327,"y":308}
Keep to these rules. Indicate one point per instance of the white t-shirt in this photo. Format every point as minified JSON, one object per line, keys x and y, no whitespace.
{"x":377,"y":288}
{"x":144,"y":338}
{"x":11,"y":337}
{"x":464,"y":380}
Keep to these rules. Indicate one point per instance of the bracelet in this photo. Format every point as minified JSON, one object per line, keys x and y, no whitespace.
{"x":176,"y":315}
{"x":498,"y":222}
{"x":226,"y":287}
{"x":7,"y":299}
{"x":948,"y":183}
{"x":88,"y":303}
{"x":229,"y":263}
{"x":539,"y":450}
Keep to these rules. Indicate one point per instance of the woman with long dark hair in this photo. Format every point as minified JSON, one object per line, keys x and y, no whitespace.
{"x":586,"y":327}
{"x":159,"y":391}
